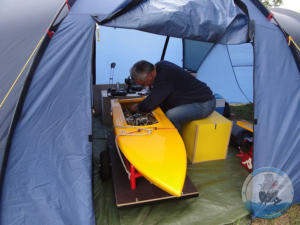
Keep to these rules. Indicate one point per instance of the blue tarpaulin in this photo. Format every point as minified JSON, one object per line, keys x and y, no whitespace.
{"x":209,"y":20}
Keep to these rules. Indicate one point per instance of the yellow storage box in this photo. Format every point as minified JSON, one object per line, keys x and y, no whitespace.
{"x":207,"y":139}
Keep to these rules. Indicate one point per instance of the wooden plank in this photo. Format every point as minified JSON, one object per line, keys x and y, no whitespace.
{"x":145,"y":192}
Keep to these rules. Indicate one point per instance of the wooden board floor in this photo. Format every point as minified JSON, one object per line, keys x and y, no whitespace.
{"x":145,"y":192}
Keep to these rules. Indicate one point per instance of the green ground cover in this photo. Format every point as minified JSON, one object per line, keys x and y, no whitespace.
{"x":219,"y":184}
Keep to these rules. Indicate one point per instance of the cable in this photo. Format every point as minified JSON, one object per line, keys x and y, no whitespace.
{"x":236,"y":77}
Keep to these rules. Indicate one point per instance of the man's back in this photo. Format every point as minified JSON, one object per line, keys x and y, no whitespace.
{"x":174,"y":86}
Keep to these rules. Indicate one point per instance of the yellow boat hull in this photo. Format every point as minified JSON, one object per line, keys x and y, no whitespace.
{"x":156,"y":151}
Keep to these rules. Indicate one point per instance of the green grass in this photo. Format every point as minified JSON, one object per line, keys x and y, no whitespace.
{"x":242,"y":112}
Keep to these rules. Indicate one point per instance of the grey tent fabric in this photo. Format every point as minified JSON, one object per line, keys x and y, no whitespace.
{"x":48,"y":175}
{"x":289,"y":20}
{"x":207,"y":20}
{"x":21,"y":29}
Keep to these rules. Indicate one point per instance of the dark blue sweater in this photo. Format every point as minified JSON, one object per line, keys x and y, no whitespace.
{"x":172,"y":87}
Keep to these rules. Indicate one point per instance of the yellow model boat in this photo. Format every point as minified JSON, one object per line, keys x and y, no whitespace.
{"x":246,"y":125}
{"x":156,"y":151}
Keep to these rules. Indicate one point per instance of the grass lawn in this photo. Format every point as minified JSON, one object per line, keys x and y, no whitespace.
{"x":242,"y":112}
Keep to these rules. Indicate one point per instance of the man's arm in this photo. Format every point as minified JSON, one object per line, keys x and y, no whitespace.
{"x":157,"y":95}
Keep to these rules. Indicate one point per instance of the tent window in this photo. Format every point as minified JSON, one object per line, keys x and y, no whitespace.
{"x":194,"y":52}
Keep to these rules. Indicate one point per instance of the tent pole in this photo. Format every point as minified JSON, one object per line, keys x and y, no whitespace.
{"x":165,"y":48}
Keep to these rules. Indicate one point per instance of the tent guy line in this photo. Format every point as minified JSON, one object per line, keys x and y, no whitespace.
{"x":290,"y":39}
{"x":22,"y":70}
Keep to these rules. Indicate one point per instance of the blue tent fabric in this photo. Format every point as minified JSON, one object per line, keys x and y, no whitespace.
{"x":277,"y":109}
{"x":277,"y":102}
{"x":228,"y":70}
{"x":95,"y":7}
{"x":48,"y":176}
{"x":241,"y":55}
{"x":241,"y":58}
{"x":207,"y":20}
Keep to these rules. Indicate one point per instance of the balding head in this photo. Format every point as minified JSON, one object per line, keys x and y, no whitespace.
{"x":141,"y":69}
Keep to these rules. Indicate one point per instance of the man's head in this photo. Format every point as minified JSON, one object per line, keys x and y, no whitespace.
{"x":143,"y":73}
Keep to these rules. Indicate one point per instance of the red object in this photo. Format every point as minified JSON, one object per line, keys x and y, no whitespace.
{"x":50,"y":33}
{"x":133,"y":174}
{"x":247,"y":158}
{"x":270,"y":16}
{"x":68,"y":4}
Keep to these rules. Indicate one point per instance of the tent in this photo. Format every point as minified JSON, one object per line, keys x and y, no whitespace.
{"x":47,"y":74}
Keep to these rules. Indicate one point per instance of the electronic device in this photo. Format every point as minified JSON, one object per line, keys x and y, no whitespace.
{"x":114,"y":91}
{"x":132,"y":87}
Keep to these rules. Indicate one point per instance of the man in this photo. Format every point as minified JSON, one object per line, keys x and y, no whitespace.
{"x":180,"y":95}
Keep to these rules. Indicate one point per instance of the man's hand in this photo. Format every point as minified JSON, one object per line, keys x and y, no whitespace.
{"x":133,"y":108}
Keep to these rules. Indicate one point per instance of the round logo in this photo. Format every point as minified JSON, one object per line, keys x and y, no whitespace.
{"x":267,"y":193}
